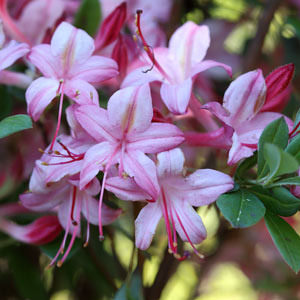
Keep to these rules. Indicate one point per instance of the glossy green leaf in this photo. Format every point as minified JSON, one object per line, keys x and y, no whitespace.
{"x":287,"y":181}
{"x":279,"y":162}
{"x":14,"y":124}
{"x":277,"y":200}
{"x":276,"y":133}
{"x":88,"y":16}
{"x":241,"y":208}
{"x":286,"y":240}
{"x":246,"y":165}
{"x":293,"y":147}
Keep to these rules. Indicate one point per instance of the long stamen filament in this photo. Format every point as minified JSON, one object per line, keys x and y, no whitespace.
{"x":59,"y":115}
{"x":73,"y":206}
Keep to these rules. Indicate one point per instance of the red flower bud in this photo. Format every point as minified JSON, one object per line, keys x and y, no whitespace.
{"x":111,"y":26}
{"x":119,"y":54}
{"x":277,"y":83}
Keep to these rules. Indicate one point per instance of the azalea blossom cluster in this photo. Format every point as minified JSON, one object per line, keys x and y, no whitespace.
{"x":135,"y":147}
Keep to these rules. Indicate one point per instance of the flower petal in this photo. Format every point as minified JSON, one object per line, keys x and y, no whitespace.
{"x":145,"y":225}
{"x":125,"y":189}
{"x":95,"y":69}
{"x":189,"y":44}
{"x":170,"y":163}
{"x":90,"y":211}
{"x":204,"y":186}
{"x":94,"y":120}
{"x":143,"y":169}
{"x":71,"y":45}
{"x":188,"y":223}
{"x":81,"y":92}
{"x":245,"y":97}
{"x":177,"y":97}
{"x":39,"y":94}
{"x":43,"y":59}
{"x":130,"y":109}
{"x":207,"y":64}
{"x":11,"y":53}
{"x":94,"y":161}
{"x":158,"y":137}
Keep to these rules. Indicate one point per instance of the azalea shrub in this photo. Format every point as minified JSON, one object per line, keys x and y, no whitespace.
{"x":145,"y":144}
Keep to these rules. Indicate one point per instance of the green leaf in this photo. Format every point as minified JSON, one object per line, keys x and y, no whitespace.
{"x":132,"y":290}
{"x":88,"y":16}
{"x":242,"y":208}
{"x":293,"y":147}
{"x":245,"y":165}
{"x":287,"y":181}
{"x":297,"y":119}
{"x":276,"y":133}
{"x":14,"y":124}
{"x":277,"y":200}
{"x":286,"y":240}
{"x":279,"y":162}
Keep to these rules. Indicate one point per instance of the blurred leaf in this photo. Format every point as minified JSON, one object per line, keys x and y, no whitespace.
{"x":88,"y":16}
{"x":287,"y":181}
{"x":242,"y":208}
{"x":27,"y":276}
{"x":276,"y":133}
{"x":245,"y":165}
{"x":277,"y":200}
{"x":295,"y":23}
{"x":286,"y":240}
{"x":297,"y":119}
{"x":51,"y":249}
{"x":293,"y":147}
{"x":279,"y":162}
{"x":14,"y":124}
{"x":132,"y":290}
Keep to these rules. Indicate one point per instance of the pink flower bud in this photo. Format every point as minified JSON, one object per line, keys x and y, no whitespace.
{"x":42,"y":231}
{"x":111,"y":26}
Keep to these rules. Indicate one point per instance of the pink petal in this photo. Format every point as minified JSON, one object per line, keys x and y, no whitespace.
{"x":238,"y":151}
{"x":245,"y":97}
{"x":94,"y":161}
{"x":12,"y":52}
{"x":125,"y":189}
{"x":145,"y":225}
{"x":109,"y":215}
{"x":39,"y":95}
{"x":95,"y":121}
{"x":44,"y":202}
{"x":170,"y":163}
{"x":189,"y":44}
{"x":139,"y":76}
{"x":71,"y":45}
{"x":95,"y":69}
{"x":218,"y":110}
{"x":81,"y":92}
{"x":204,"y":186}
{"x":15,"y":78}
{"x":207,"y":64}
{"x":220,"y":138}
{"x":158,"y":137}
{"x":143,"y":169}
{"x":41,"y":56}
{"x":130,"y":109}
{"x":177,"y":97}
{"x":190,"y":226}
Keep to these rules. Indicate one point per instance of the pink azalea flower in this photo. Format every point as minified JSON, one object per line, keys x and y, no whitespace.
{"x":70,"y":201}
{"x":129,"y":134}
{"x":177,"y":66}
{"x":9,"y":54}
{"x":242,"y":103}
{"x":178,"y":195}
{"x":68,"y":68}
